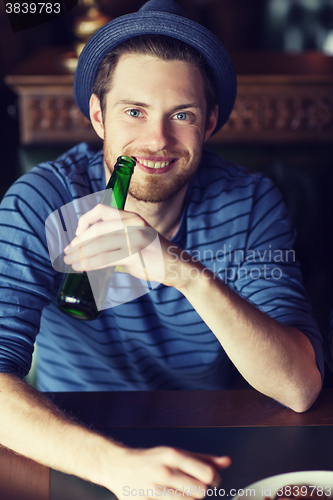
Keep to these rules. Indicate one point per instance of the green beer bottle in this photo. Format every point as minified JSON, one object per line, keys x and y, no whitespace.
{"x":76,"y":297}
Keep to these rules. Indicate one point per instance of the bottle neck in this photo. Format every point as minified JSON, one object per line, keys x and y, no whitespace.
{"x":117,"y":187}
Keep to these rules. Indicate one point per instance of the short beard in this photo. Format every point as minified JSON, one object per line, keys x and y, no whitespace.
{"x":154,"y":190}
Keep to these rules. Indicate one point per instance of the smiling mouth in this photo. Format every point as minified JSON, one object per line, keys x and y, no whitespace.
{"x":155,"y":164}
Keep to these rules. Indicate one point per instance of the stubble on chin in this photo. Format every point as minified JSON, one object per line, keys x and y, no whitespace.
{"x":158,"y":188}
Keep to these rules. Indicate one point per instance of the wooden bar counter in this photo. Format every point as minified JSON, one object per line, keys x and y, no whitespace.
{"x":261,"y":436}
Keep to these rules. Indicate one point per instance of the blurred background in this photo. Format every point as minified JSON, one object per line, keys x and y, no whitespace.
{"x":282,"y":123}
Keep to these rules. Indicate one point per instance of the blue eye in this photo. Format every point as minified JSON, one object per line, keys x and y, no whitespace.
{"x":134,"y":112}
{"x":181,"y":116}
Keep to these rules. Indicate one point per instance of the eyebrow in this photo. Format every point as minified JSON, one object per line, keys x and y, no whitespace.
{"x":145,"y":105}
{"x":133,"y":103}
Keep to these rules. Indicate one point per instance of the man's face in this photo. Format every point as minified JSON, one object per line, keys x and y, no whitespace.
{"x":155,"y":111}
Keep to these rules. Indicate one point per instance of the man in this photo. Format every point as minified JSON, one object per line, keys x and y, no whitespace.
{"x":212,"y":311}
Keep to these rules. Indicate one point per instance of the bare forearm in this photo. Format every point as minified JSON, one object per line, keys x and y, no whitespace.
{"x":277,"y":360}
{"x":32,"y":426}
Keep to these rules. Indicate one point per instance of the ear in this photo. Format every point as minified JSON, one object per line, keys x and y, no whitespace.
{"x":212,"y":122}
{"x":96,"y":115}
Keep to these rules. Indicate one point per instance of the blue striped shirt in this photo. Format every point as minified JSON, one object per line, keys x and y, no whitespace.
{"x":236,"y":223}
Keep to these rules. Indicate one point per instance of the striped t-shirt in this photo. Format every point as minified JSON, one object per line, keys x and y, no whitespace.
{"x":234,"y":222}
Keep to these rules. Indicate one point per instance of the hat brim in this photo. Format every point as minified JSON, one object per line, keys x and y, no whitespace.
{"x":160,"y":23}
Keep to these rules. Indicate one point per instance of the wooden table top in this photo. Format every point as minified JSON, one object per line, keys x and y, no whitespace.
{"x":194,"y":418}
{"x":234,"y":408}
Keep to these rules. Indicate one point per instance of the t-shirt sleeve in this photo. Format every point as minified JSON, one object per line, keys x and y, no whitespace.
{"x":27,"y":280}
{"x":269,"y":275}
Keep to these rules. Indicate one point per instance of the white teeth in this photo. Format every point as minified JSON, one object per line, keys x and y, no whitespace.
{"x":158,"y":164}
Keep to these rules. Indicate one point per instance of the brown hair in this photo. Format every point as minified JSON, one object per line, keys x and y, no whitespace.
{"x":163,"y":47}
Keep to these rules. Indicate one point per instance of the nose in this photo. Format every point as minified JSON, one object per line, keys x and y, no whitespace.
{"x":157,"y":135}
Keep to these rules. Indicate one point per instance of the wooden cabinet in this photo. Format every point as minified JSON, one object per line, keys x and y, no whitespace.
{"x":281,"y":98}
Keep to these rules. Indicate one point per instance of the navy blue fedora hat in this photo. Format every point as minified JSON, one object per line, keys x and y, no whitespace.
{"x":159,"y":17}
